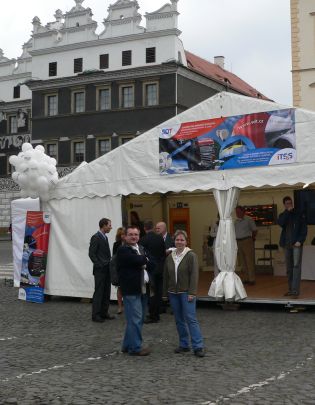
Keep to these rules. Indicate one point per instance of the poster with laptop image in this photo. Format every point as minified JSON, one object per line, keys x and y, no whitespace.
{"x":34,"y":259}
{"x":258,"y":139}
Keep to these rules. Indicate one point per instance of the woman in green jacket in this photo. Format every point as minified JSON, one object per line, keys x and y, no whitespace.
{"x":180,"y":284}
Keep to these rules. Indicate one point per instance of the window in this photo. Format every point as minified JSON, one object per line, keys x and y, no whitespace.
{"x":78,"y":152}
{"x":151,"y":94}
{"x":126,"y":58}
{"x":77,"y":65}
{"x":78,"y":101}
{"x":127,"y":96}
{"x":52,"y":71}
{"x":16,"y":92}
{"x":51,"y":104}
{"x":104,"y":146}
{"x":104,"y":61}
{"x":52,"y":150}
{"x":125,"y":139}
{"x":150,"y":55}
{"x":103,"y":102}
{"x":13,"y":127}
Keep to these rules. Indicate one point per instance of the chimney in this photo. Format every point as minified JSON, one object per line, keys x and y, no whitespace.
{"x":219,"y":60}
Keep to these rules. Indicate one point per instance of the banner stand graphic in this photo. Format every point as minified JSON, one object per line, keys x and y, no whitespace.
{"x":34,"y":259}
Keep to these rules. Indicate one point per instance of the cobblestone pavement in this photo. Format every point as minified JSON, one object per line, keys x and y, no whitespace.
{"x":52,"y":353}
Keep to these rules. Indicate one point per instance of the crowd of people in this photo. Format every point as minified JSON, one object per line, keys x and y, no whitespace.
{"x":151,"y":269}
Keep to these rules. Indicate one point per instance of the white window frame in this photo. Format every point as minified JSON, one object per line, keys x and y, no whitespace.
{"x":73,"y":151}
{"x":52,"y":143}
{"x":145,"y":93}
{"x":73,"y":100}
{"x":98,"y":150}
{"x":10,"y":117}
{"x":98,"y":98}
{"x":47,"y":97}
{"x":121,"y":96}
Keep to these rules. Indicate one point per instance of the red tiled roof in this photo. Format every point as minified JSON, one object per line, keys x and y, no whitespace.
{"x":221,"y":75}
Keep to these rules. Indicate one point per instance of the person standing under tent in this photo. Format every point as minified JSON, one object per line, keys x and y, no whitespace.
{"x":119,"y":240}
{"x":293,"y":235}
{"x":160,"y":228}
{"x":99,"y":254}
{"x":245,"y":232}
{"x":180,"y":284}
{"x":133,"y":279}
{"x":155,"y":249}
{"x":213,"y":235}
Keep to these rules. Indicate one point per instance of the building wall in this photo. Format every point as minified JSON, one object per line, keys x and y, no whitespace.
{"x":303,"y":53}
{"x":8,"y":192}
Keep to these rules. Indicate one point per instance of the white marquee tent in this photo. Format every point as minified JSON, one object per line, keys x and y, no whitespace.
{"x":94,"y":190}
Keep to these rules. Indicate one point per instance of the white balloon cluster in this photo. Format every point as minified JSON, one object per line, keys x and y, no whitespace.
{"x":35,"y":173}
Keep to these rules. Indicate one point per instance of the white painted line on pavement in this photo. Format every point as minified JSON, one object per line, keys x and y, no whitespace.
{"x":57,"y":367}
{"x":254,"y":387}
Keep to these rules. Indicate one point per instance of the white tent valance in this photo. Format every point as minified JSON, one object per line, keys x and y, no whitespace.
{"x":134,"y":167}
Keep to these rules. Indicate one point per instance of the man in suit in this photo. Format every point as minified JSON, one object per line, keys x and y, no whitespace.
{"x":100,"y":255}
{"x":133,"y":279}
{"x":155,"y":249}
{"x":160,"y":229}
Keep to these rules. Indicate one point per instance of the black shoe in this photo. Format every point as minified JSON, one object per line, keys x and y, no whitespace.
{"x":199,"y":353}
{"x":182,"y":350}
{"x":109,"y":317}
{"x":98,"y":319}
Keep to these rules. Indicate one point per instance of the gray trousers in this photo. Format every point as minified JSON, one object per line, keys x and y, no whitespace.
{"x":293,"y":260}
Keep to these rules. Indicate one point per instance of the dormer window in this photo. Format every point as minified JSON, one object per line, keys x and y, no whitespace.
{"x":52,"y":69}
{"x":16,"y":92}
{"x":77,"y":65}
{"x":150,"y":55}
{"x":126,"y":58}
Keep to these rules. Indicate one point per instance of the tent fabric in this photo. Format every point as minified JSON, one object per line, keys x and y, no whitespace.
{"x":227,"y":284}
{"x":133,"y":168}
{"x":69,"y":268}
{"x":19,"y":210}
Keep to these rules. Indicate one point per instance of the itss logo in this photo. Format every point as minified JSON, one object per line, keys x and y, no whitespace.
{"x":283,"y":156}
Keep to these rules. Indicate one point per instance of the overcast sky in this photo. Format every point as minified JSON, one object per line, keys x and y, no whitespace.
{"x":253,"y":35}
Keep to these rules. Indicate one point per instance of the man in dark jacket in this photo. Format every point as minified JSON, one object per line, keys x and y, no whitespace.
{"x":293,"y":235}
{"x":99,"y":253}
{"x":155,"y":248}
{"x":132,"y":280}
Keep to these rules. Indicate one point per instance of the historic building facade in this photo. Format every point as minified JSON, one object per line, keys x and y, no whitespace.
{"x":303,"y":53}
{"x":83,"y":94}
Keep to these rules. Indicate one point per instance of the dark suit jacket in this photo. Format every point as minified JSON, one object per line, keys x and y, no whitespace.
{"x":154,"y":247}
{"x":130,"y":270}
{"x":99,"y":252}
{"x":169,"y":241}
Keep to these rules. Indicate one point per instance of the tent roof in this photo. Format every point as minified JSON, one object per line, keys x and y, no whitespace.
{"x":133,"y":168}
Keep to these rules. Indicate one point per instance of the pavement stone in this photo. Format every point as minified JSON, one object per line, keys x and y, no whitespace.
{"x":53,"y":354}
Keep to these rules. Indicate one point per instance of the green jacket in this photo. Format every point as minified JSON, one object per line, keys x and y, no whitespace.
{"x":187,"y":275}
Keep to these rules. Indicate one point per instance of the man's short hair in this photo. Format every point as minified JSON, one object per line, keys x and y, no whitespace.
{"x":132,"y":227}
{"x":286,"y":198}
{"x":103,"y":221}
{"x":148,"y":225}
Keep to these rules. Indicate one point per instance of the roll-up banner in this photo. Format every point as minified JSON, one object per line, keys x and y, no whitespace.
{"x":251,"y":140}
{"x":35,"y":250}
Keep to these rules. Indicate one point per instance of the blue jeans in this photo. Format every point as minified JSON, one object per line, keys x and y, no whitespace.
{"x":293,"y":259}
{"x":135,"y":309}
{"x":186,"y":321}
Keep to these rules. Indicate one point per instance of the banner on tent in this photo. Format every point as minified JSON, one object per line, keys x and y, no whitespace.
{"x":251,"y":140}
{"x":34,"y":259}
